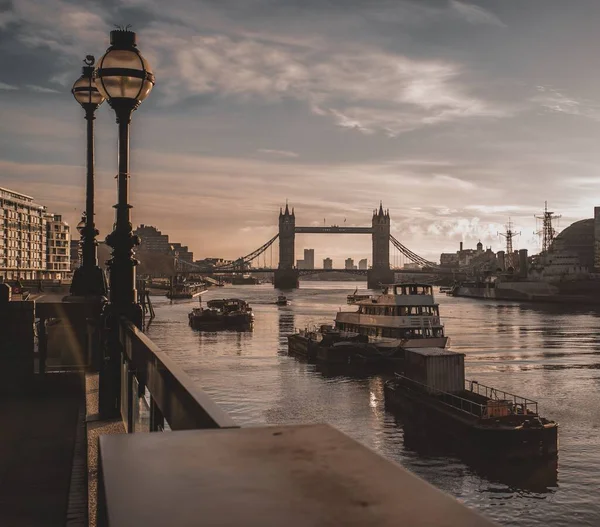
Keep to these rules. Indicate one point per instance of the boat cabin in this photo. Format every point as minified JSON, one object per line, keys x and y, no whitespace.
{"x":408,"y":289}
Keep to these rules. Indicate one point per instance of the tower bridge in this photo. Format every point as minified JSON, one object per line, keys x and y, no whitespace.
{"x":286,"y":275}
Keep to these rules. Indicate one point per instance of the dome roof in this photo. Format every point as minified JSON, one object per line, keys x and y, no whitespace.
{"x":577,"y":238}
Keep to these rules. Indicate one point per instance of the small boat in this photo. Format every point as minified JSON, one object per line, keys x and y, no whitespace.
{"x":244,"y":279}
{"x":222,"y":314}
{"x":445,"y":289}
{"x":185,"y":291}
{"x":433,"y":392}
{"x":281,"y":301}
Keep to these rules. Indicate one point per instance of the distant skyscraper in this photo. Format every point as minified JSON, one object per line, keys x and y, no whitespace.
{"x":300,"y":264}
{"x":309,"y":258}
{"x":327,"y":263}
{"x":349,"y":264}
{"x":362,"y":264}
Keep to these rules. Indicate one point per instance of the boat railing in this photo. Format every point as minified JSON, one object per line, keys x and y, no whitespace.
{"x":497,"y":408}
{"x":520,"y":404}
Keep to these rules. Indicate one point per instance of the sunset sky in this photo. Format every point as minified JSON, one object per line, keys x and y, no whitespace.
{"x":456,"y":114}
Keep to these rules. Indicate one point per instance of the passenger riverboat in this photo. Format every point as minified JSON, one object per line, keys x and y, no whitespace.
{"x":227,"y":313}
{"x":405,"y":313}
{"x":433,"y":392}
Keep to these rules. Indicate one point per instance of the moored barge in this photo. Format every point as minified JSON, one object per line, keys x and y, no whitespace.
{"x":434,"y":393}
{"x":311,"y":344}
{"x":227,"y":313}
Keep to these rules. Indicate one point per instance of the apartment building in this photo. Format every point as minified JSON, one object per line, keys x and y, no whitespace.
{"x":58,"y":247}
{"x":22,"y":236}
{"x":31,"y":239}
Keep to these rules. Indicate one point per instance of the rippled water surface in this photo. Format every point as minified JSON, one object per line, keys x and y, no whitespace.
{"x":546,"y":353}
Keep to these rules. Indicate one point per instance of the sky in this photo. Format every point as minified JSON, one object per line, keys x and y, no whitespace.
{"x":455,"y":114}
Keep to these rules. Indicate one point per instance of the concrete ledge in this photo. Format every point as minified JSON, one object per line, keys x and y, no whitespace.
{"x":289,"y":475}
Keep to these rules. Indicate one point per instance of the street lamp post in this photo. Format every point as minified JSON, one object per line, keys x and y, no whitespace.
{"x":124,"y":78}
{"x":88,"y":279}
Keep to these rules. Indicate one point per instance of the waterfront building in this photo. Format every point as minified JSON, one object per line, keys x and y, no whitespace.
{"x":411,"y":266}
{"x":153,"y":240}
{"x":363,"y":264}
{"x":182,"y":252}
{"x":466,"y":257}
{"x":58,"y":247}
{"x":309,"y":258}
{"x":300,"y":264}
{"x":327,"y":263}
{"x":22,"y":236}
{"x":349,"y":264}
{"x":212,"y":262}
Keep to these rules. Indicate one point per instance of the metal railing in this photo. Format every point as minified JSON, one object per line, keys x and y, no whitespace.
{"x":156,"y":392}
{"x":521,"y":405}
{"x":511,"y":405}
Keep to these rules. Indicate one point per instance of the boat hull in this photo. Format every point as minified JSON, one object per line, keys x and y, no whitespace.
{"x":302,"y":346}
{"x":582,"y":292}
{"x":490,"y":440}
{"x":236,"y":321}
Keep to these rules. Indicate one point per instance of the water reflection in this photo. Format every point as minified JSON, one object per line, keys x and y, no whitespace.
{"x":286,"y":326}
{"x":540,"y":476}
{"x":541,"y":352}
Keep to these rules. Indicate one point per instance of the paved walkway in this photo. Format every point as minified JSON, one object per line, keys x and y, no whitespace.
{"x":36,"y":451}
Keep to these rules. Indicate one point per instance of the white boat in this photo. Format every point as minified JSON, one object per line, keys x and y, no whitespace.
{"x":405,"y":314}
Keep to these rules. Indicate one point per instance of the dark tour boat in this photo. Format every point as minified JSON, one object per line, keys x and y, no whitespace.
{"x":311,"y":343}
{"x":433,"y":392}
{"x":222,"y":314}
{"x":281,"y":301}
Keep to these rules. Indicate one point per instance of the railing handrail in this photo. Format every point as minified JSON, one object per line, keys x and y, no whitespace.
{"x":495,"y":392}
{"x":466,"y":405}
{"x":182,"y":403}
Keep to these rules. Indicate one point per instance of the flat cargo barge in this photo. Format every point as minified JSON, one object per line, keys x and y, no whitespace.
{"x":484,"y":419}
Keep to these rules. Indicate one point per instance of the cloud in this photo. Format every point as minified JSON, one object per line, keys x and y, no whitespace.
{"x":474,"y":14}
{"x":4,"y":86}
{"x":555,"y":101}
{"x":361,"y":88}
{"x":40,"y":89}
{"x":277,"y":153}
{"x":60,"y":26}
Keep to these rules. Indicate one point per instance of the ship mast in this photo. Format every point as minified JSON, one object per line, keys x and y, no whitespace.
{"x":509,"y":235}
{"x":547,"y":231}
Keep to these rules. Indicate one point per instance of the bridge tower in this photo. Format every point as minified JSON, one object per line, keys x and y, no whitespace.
{"x":286,"y":276}
{"x":380,"y":272}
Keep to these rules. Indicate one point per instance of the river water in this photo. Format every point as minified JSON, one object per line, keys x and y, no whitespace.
{"x":547,"y":353}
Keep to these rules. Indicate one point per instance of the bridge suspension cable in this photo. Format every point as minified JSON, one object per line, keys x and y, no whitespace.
{"x":249,"y":257}
{"x":413,"y":257}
